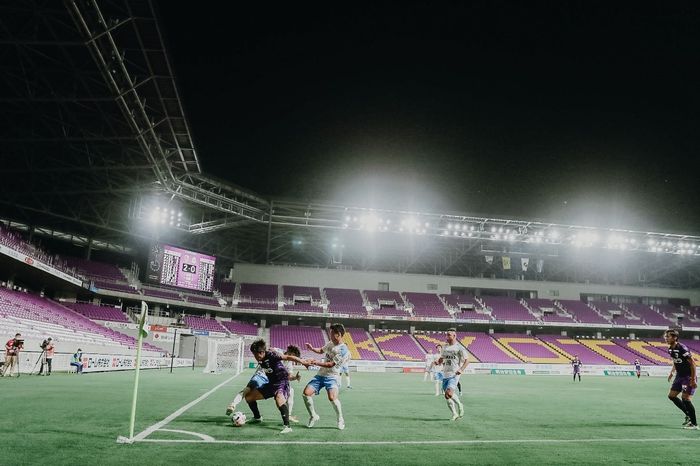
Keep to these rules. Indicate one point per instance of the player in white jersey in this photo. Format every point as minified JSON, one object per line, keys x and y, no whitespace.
{"x":429,"y":360}
{"x":437,"y":370}
{"x":289,"y":365}
{"x":454,"y":359}
{"x":336,"y":355}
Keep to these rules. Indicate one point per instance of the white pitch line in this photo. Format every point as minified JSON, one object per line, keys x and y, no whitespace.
{"x":141,"y":436}
{"x":419,"y":442}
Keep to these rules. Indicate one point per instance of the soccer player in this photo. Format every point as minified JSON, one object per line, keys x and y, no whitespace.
{"x":259,"y":379}
{"x":454,"y":359}
{"x":345,"y":371}
{"x":685,"y":381}
{"x":437,"y":371}
{"x":336,"y":355}
{"x":289,"y":365}
{"x":638,"y":367}
{"x":576,"y":364}
{"x":429,"y":359}
{"x":277,"y":387}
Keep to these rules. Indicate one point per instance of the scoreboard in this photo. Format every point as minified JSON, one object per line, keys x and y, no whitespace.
{"x":173,"y":266}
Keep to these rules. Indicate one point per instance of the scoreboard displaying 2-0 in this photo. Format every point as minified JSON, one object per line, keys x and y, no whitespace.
{"x":172,"y":266}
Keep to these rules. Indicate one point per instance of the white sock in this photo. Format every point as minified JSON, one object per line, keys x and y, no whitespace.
{"x":309,"y":403}
{"x":451,"y":405}
{"x":338,"y":408}
{"x":290,"y":400}
{"x":437,"y":387}
{"x":238,"y":399}
{"x":348,"y":381}
{"x":456,"y":399}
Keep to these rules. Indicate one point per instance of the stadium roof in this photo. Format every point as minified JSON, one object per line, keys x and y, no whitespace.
{"x":95,"y":138}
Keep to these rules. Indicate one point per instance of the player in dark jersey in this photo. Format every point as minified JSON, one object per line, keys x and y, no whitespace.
{"x":638,"y":367}
{"x":685,"y":381}
{"x":576,"y":364}
{"x":272,"y":363}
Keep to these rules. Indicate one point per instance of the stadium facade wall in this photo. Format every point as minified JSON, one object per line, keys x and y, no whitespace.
{"x":333,"y":278}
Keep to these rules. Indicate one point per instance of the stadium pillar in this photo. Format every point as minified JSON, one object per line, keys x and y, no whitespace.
{"x":632,"y":336}
{"x":88,"y":249}
{"x":412,"y":329}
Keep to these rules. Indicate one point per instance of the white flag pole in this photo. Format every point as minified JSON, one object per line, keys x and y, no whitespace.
{"x":142,"y":320}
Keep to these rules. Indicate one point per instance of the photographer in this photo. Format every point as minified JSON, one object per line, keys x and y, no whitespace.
{"x":12,"y":349}
{"x":48,"y":350}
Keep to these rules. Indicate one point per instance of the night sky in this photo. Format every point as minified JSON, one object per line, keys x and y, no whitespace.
{"x":577,"y":112}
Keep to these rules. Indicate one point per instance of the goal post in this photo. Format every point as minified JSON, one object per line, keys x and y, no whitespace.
{"x":224,"y":355}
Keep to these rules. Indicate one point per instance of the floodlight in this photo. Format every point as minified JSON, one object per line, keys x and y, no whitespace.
{"x":493,"y":229}
{"x":449,"y":226}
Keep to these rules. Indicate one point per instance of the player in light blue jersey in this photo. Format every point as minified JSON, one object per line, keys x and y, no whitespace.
{"x":336,"y":355}
{"x":345,"y":371}
{"x":454,"y":359}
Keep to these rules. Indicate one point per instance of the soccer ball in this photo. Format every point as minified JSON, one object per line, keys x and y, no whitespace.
{"x":238,"y":419}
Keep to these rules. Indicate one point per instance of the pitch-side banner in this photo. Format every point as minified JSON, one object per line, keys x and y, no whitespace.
{"x":111,"y":362}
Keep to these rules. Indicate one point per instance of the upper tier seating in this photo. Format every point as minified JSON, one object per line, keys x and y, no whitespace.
{"x":96,"y":270}
{"x":427,"y":305}
{"x":258,"y":293}
{"x":208,"y":300}
{"x":345,"y":301}
{"x":648,"y":315}
{"x":303,"y":292}
{"x":503,"y":308}
{"x":549,"y":312}
{"x":161,"y":293}
{"x":582,"y":312}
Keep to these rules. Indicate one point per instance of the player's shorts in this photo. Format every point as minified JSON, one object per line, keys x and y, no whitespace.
{"x":439,"y":376}
{"x":258,"y":380}
{"x":450,"y":383}
{"x":323,"y":381}
{"x":577,"y":370}
{"x":344,"y":369}
{"x":682,"y":384}
{"x":270,"y":390}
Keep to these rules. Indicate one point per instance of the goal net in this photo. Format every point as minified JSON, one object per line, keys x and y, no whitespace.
{"x":224,"y":355}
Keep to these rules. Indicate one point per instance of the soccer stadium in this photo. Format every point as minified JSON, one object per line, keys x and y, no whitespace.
{"x":158,"y":219}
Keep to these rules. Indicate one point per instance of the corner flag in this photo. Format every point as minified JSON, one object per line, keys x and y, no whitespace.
{"x":143,"y":321}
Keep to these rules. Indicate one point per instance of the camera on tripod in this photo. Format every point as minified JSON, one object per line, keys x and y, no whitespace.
{"x":45,"y":344}
{"x":17,"y":343}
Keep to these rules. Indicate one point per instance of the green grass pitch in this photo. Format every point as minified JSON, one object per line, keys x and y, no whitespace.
{"x":70,"y":419}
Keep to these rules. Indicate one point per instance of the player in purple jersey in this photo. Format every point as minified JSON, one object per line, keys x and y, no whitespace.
{"x":685,"y":381}
{"x":271,"y":362}
{"x":638,"y":367}
{"x":576,"y":364}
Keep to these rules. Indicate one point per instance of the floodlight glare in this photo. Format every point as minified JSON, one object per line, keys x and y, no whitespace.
{"x":449,"y":226}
